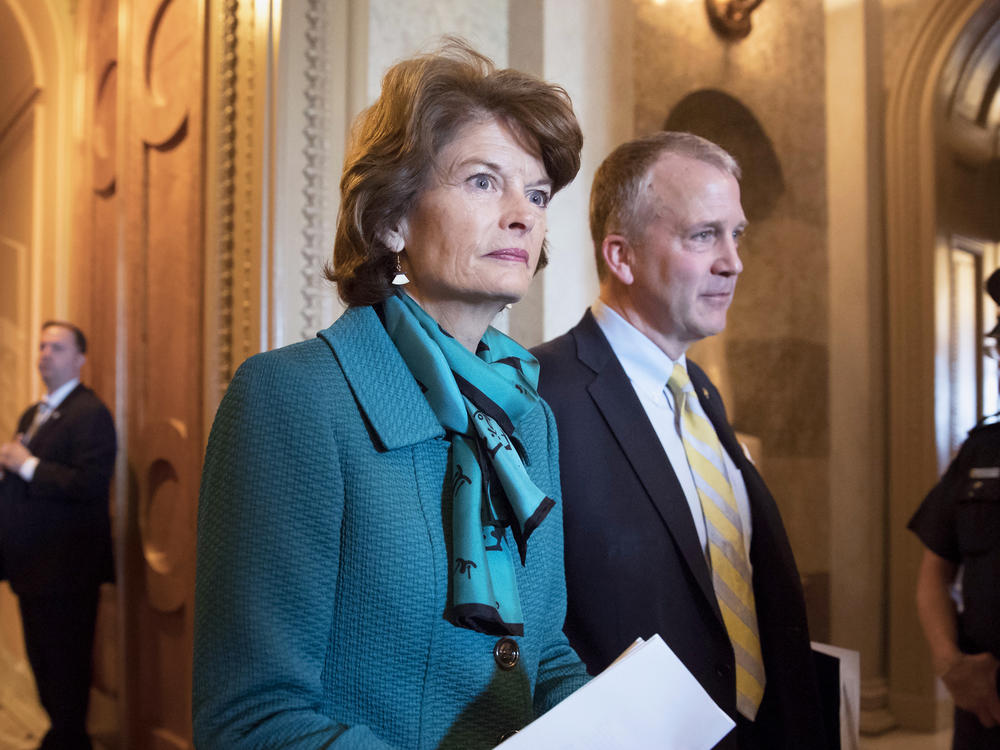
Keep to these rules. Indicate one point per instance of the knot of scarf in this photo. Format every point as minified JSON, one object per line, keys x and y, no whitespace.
{"x":478,"y":398}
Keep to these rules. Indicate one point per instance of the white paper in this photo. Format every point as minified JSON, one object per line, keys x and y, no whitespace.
{"x":850,"y":693}
{"x":646,"y":700}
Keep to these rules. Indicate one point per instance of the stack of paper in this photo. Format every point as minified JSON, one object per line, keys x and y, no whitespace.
{"x":646,"y":700}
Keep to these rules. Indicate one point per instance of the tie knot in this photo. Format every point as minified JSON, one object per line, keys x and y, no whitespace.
{"x":679,"y":381}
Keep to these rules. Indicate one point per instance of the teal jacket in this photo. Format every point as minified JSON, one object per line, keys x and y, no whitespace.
{"x":322,"y":577}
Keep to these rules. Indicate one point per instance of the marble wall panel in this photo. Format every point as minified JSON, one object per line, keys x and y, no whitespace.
{"x":799,"y":486}
{"x":399,"y":28}
{"x":795,"y":372}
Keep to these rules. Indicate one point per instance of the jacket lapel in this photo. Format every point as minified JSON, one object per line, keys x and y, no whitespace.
{"x":762,"y":508}
{"x":387,"y":393}
{"x":711,"y":402}
{"x":615,"y":398}
{"x":51,"y":423}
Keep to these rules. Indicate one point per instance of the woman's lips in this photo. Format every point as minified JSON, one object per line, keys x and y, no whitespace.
{"x":514,"y":254}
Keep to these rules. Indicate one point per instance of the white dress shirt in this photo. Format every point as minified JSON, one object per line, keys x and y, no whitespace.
{"x":52,"y":401}
{"x":648,"y":368}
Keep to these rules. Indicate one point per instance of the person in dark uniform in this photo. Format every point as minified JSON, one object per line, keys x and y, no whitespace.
{"x":959,"y":525}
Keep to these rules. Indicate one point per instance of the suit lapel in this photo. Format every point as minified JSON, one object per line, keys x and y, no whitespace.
{"x":615,"y":398}
{"x":711,"y":402}
{"x":762,"y":508}
{"x":387,"y":393}
{"x":51,"y":423}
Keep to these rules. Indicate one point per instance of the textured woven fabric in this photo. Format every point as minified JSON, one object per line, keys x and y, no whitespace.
{"x":323,"y":564}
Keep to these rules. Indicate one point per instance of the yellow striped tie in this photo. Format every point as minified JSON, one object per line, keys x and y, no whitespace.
{"x":731,"y":576}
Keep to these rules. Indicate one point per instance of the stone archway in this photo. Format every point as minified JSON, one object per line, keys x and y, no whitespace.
{"x":914,"y":244}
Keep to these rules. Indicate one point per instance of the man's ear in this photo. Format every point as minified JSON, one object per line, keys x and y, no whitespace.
{"x":618,"y":257}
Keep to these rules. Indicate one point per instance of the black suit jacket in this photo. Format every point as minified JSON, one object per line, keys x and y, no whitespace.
{"x":55,"y":532}
{"x":634,"y":565}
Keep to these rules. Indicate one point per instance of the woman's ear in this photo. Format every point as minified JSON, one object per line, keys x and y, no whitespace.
{"x":619,"y":258}
{"x":393,"y":239}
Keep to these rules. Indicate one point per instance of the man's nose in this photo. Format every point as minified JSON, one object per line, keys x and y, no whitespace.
{"x":729,"y":262}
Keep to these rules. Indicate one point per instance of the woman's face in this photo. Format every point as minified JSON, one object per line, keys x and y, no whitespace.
{"x":474,"y":235}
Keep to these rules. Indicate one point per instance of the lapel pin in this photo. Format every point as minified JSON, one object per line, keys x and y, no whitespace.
{"x":705,"y":392}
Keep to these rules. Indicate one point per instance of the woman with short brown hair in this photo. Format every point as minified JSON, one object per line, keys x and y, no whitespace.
{"x":380,"y":535}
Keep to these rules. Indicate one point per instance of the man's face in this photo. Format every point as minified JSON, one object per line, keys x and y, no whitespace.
{"x":685,"y":262}
{"x":59,"y":361}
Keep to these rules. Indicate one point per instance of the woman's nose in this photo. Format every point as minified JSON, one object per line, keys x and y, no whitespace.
{"x":519,"y":212}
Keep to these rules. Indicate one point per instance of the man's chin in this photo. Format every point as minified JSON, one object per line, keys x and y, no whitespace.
{"x":712,"y":329}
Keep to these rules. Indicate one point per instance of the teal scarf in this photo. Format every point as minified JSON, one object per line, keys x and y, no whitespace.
{"x":478,"y":398}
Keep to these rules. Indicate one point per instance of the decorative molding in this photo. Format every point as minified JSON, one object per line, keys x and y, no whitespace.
{"x":103,"y":135}
{"x":315,"y":229}
{"x":19,"y":112}
{"x":247,"y":249}
{"x":164,"y":114}
{"x":238,"y":122}
{"x":970,"y":89}
{"x":226,"y":195}
{"x":168,"y":475}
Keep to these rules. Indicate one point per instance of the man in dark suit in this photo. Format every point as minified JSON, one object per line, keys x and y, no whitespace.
{"x":55,"y":536}
{"x":669,"y":528}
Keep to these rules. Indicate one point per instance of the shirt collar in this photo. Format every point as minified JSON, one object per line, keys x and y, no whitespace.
{"x":59,"y":394}
{"x":646,"y":364}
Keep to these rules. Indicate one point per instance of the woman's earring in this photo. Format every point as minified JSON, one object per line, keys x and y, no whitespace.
{"x":394,"y":241}
{"x":400,"y":278}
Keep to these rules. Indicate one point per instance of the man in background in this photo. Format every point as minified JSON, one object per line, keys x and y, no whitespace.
{"x":669,"y":528}
{"x":55,"y":537}
{"x":959,"y":526}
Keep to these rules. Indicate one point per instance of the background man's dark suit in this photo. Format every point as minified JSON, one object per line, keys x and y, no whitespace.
{"x":634,"y":565}
{"x":55,"y":543}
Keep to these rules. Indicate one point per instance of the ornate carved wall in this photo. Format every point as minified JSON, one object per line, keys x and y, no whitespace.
{"x":140,"y":279}
{"x":96,"y":275}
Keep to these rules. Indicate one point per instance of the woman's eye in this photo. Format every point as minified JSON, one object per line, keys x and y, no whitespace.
{"x":539,"y":198}
{"x":482,"y":181}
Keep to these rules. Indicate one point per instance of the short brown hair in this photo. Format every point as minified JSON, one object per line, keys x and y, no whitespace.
{"x":618,"y":205}
{"x":425,"y":101}
{"x":78,"y":337}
